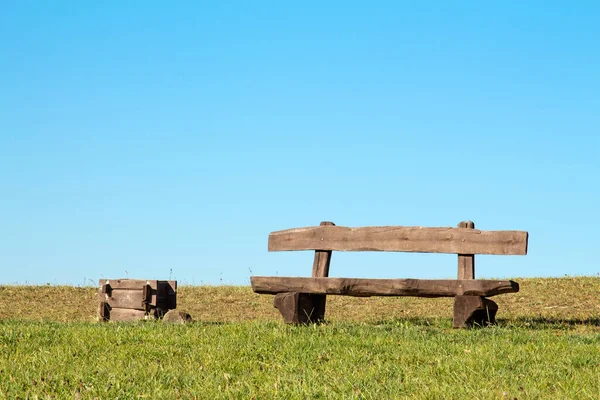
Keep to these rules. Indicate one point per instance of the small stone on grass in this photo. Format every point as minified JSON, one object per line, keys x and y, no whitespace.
{"x":177,"y":317}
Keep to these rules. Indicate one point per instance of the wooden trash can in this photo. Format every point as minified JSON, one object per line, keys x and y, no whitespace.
{"x":135,"y":299}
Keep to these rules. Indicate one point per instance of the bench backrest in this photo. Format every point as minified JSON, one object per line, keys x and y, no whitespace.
{"x":400,"y":238}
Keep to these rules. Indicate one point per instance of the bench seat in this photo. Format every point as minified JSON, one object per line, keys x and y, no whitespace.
{"x":359,"y":287}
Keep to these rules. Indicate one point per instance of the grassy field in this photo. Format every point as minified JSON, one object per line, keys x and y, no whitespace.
{"x":546,"y":345}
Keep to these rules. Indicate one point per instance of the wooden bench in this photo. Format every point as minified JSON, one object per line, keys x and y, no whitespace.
{"x":302,"y":300}
{"x":135,"y":299}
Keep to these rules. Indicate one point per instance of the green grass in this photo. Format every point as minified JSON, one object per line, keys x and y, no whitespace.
{"x":547,"y":345}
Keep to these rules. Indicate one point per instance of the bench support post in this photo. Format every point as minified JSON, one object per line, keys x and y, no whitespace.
{"x":303,"y":308}
{"x":466,"y":262}
{"x":473,"y":310}
{"x":321,"y":270}
{"x":297,"y":308}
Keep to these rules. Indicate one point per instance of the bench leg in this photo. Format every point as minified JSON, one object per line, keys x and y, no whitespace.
{"x":473,"y":310}
{"x":300,"y":308}
{"x":104,"y":311}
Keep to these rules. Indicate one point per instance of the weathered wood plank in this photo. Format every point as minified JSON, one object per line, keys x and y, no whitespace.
{"x":466,"y":262}
{"x":128,"y":283}
{"x":400,"y":238}
{"x":134,"y":299}
{"x":382,"y":287}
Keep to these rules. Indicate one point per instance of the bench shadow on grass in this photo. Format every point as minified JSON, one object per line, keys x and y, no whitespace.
{"x":533,"y":323}
{"x":549,"y":322}
{"x":402,"y":321}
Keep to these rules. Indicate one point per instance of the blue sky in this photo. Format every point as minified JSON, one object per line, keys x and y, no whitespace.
{"x":166,"y":140}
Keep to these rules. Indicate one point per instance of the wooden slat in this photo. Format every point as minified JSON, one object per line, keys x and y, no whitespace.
{"x":400,"y":238}
{"x":128,"y":283}
{"x":382,"y":287}
{"x":119,"y":298}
